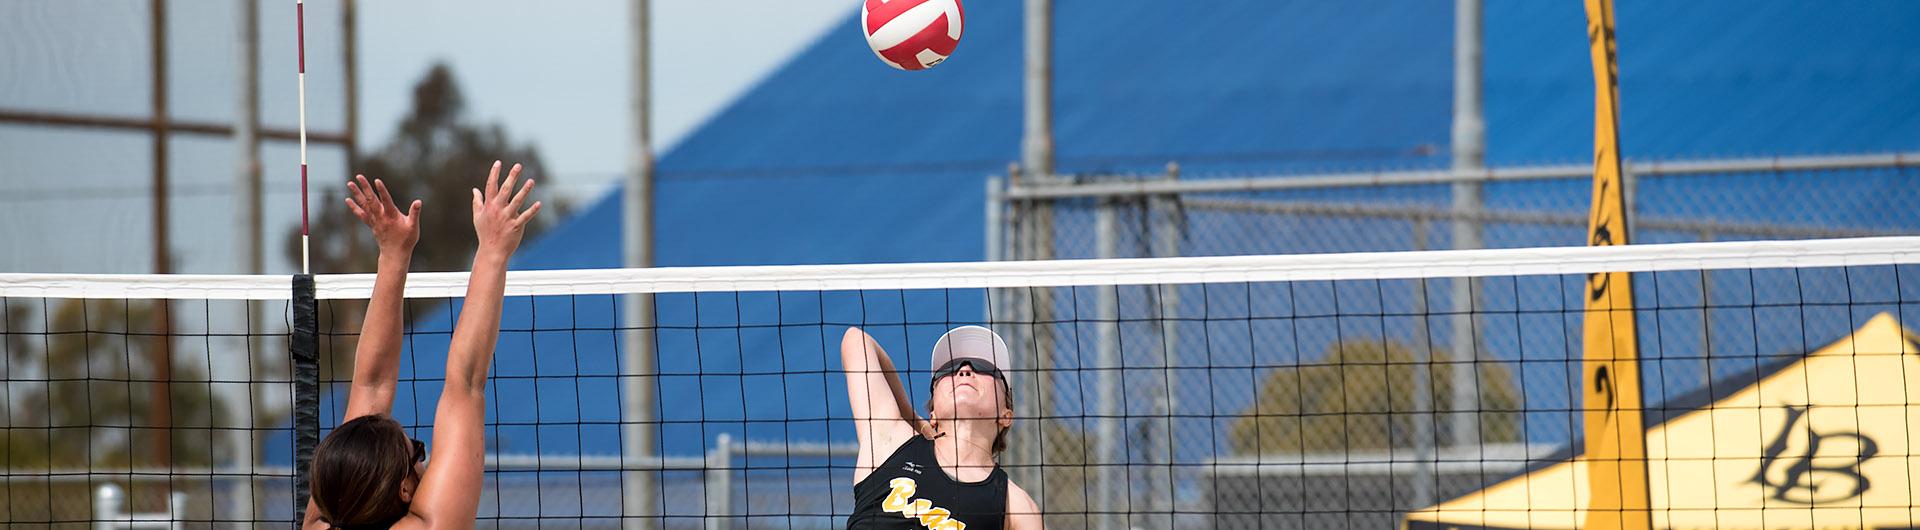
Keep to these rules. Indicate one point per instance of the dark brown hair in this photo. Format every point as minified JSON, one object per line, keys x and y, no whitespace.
{"x":999,"y":440}
{"x":358,"y":471}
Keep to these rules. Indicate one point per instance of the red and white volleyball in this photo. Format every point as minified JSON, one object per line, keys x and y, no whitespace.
{"x":912,"y":34}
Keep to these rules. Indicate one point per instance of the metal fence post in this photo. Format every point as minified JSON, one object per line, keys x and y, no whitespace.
{"x":1112,"y":458}
{"x":1165,"y":223}
{"x":107,"y":506}
{"x":719,"y":482}
{"x":1469,"y":156}
{"x":640,"y":365}
{"x":1423,"y":481}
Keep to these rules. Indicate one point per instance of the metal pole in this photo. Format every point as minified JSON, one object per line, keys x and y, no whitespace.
{"x":145,"y":124}
{"x":350,"y":58}
{"x":246,"y":135}
{"x":247,"y":215}
{"x":719,"y":482}
{"x":640,"y":488}
{"x":107,"y":503}
{"x":996,"y":211}
{"x":1376,"y":179}
{"x":1629,"y":194}
{"x":1469,"y":155}
{"x":1166,"y":230}
{"x":1037,"y":144}
{"x":1037,"y":228}
{"x":160,"y":356}
{"x":1110,"y":457}
{"x":996,"y":244}
{"x":1423,"y":483}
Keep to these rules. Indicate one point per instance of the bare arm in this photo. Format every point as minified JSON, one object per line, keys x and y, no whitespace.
{"x":898,"y":390}
{"x":1022,"y":512}
{"x":376,"y":362}
{"x":450,"y":491}
{"x":883,"y":418}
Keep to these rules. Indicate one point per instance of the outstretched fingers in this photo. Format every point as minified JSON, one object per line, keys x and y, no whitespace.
{"x":500,"y":195}
{"x":357,"y":198}
{"x":493,"y":180}
{"x":519,"y":197}
{"x":386,"y":198}
{"x":521,"y":220}
{"x":357,"y":212}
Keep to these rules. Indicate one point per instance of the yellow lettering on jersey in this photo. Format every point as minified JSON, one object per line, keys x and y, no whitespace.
{"x":902,"y":494}
{"x":900,"y":500}
{"x":933,"y":517}
{"x":918,"y":507}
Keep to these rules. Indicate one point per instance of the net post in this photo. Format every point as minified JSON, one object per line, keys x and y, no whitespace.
{"x":305,"y":351}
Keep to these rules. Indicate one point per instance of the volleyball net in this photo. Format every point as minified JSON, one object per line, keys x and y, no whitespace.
{"x":1287,"y":391}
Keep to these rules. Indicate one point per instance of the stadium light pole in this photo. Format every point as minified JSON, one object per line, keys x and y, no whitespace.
{"x":1112,"y":461}
{"x":1035,"y":236}
{"x":1469,"y":156}
{"x":160,"y":420}
{"x":638,"y":366}
{"x":246,"y":134}
{"x":1037,"y":145}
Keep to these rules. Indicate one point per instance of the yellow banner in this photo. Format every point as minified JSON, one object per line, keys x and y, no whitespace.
{"x":1817,"y":443}
{"x":1616,"y":439}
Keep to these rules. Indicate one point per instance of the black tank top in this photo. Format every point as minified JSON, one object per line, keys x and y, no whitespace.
{"x":910,"y":492}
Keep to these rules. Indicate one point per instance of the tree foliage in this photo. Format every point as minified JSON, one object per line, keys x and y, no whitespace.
{"x":80,"y":391}
{"x":1361,"y":396}
{"x":437,"y":155}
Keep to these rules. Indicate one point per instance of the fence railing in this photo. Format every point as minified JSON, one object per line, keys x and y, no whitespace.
{"x":1039,"y":217}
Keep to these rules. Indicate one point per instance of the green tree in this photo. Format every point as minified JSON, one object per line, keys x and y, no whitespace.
{"x":437,"y":155}
{"x":1360,"y":396}
{"x":94,"y":402}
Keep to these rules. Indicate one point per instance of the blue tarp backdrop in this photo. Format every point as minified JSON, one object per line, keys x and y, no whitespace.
{"x":835,"y":158}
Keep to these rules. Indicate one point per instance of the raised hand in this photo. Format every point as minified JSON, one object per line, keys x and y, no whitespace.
{"x":374,"y":206}
{"x":497,"y":216}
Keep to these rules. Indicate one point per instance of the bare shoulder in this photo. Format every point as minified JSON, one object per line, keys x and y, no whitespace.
{"x":413,"y":521}
{"x":1022,"y":512}
{"x":887,"y":437}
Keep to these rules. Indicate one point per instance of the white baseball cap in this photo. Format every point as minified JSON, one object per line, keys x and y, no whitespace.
{"x":971,"y":342}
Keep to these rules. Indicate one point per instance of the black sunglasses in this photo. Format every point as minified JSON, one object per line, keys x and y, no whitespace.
{"x":419,"y":451}
{"x":980,"y":366}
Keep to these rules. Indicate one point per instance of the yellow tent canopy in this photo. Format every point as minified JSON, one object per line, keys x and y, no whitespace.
{"x":1825,"y":442}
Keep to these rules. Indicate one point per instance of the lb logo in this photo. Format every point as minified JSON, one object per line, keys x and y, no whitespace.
{"x":901,"y":501}
{"x":1811,"y":477}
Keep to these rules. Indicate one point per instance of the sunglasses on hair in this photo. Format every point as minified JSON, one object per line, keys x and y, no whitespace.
{"x":980,"y":366}
{"x":419,"y":451}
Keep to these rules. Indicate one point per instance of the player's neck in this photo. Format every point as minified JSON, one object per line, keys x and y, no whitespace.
{"x":966,"y":443}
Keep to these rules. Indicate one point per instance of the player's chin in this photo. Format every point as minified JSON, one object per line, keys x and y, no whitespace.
{"x":968,"y":406}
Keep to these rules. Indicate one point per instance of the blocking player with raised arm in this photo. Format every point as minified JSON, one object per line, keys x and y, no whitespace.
{"x":941,"y":472}
{"x":368,"y":473}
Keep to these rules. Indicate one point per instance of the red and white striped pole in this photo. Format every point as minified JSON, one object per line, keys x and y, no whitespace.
{"x":300,"y":18}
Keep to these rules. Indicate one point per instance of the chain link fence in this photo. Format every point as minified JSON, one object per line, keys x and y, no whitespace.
{"x":1345,"y":404}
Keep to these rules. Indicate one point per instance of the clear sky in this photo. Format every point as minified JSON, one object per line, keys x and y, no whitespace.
{"x":557,"y":72}
{"x":552,"y":73}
